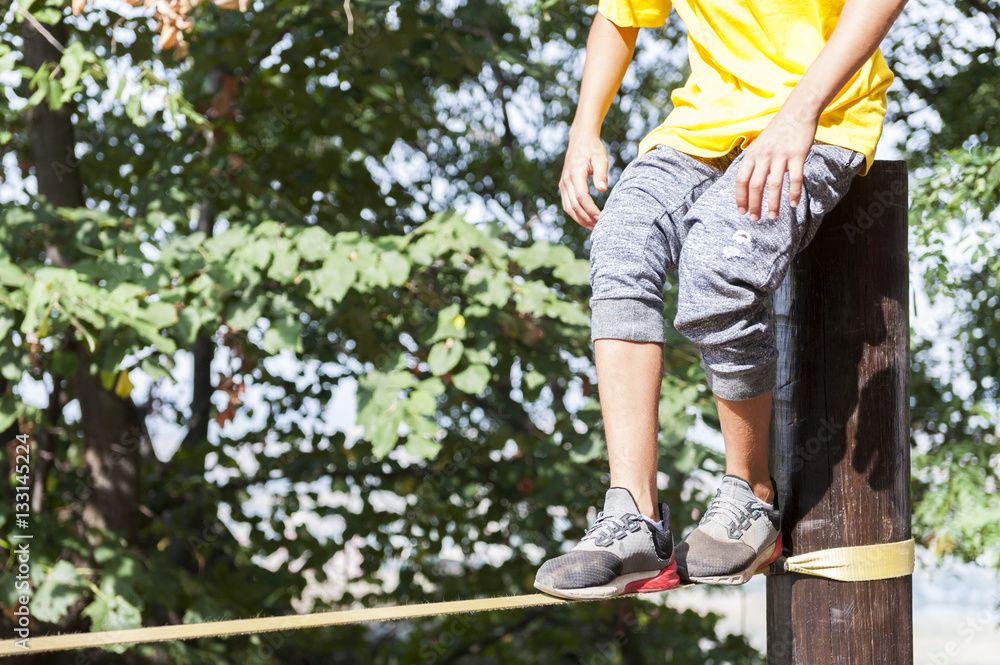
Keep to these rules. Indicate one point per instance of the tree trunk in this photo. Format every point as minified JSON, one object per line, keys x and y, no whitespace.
{"x":840,"y":430}
{"x":112,"y":426}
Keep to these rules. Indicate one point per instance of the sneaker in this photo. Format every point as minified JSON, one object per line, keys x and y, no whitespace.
{"x":738,"y":537}
{"x":622,"y":553}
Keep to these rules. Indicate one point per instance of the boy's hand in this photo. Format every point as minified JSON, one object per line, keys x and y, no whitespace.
{"x":585,"y":156}
{"x":782,"y":146}
{"x":787,"y":139}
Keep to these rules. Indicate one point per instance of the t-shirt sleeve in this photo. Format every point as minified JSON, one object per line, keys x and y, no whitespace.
{"x":635,"y":13}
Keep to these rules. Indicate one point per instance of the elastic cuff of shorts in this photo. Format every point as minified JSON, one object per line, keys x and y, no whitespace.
{"x":745,"y":385}
{"x":627,"y":319}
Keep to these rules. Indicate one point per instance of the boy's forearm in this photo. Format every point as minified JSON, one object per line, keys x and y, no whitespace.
{"x":861,"y":27}
{"x":609,"y":51}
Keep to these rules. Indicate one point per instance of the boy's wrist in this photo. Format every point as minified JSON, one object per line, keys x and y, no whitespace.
{"x":803,"y":109}
{"x":585,"y":128}
{"x":805,"y":103}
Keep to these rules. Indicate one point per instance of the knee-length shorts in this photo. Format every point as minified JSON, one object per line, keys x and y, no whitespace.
{"x":670,"y":211}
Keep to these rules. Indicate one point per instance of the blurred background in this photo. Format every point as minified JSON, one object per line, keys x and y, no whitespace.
{"x":293,"y":321}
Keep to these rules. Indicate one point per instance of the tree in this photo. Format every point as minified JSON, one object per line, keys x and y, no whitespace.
{"x":948,"y":66}
{"x":275,"y":208}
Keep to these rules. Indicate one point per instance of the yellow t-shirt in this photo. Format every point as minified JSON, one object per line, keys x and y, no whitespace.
{"x":746,"y":56}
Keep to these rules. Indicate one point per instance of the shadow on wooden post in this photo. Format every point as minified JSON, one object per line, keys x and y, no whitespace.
{"x":840,"y":428}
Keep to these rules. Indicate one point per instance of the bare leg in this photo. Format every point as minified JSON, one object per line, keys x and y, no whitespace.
{"x":745,"y":426}
{"x":628,"y":377}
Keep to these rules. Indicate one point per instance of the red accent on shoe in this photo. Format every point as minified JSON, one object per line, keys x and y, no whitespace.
{"x":775,"y":553}
{"x":664,"y":580}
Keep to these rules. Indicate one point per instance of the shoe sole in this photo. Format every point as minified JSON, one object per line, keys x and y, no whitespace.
{"x":763,"y":560}
{"x":648,"y":581}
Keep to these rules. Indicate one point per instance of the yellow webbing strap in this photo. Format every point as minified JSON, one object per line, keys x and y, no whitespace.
{"x":187,"y":631}
{"x":855,"y":564}
{"x":852,"y":564}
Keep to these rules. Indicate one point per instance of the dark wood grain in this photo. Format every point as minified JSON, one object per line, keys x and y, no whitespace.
{"x":840,"y":428}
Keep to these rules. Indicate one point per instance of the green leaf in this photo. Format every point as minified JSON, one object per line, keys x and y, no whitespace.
{"x":113,"y":613}
{"x":39,"y":299}
{"x":443,"y":357}
{"x":335,"y":277}
{"x":227,"y":242}
{"x":188,"y":325}
{"x":285,"y":265}
{"x":496,"y":290}
{"x":421,"y":447}
{"x":285,"y":334}
{"x":49,"y":15}
{"x":314,"y":244}
{"x":258,"y":252}
{"x":483,"y":351}
{"x":72,"y":64}
{"x":575,"y":272}
{"x":533,"y":379}
{"x":122,"y":82}
{"x":6,"y":323}
{"x":396,"y":266}
{"x":56,"y":593}
{"x":41,"y":91}
{"x":8,"y":58}
{"x":421,"y":402}
{"x":473,"y":380}
{"x":242,"y":314}
{"x":56,"y":94}
{"x":159,"y":314}
{"x":386,"y":432}
{"x":450,"y":323}
{"x":11,"y":275}
{"x":9,"y":410}
{"x":541,"y":254}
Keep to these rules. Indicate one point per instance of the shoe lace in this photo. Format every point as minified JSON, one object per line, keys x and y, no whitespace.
{"x":736,"y":516}
{"x":608,"y":528}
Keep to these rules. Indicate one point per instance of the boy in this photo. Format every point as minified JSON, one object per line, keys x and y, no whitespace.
{"x":776,"y":87}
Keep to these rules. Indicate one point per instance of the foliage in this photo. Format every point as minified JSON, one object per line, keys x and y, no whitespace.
{"x":285,"y":194}
{"x":950,"y":76}
{"x":956,"y":411}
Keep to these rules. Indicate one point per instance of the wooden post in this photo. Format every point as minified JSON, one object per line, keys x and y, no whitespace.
{"x":840,"y":428}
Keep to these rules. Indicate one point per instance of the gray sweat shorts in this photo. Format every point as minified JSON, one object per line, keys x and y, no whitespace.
{"x":670,"y":211}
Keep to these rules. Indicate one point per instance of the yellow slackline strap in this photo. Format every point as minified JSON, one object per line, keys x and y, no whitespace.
{"x":187,"y":631}
{"x":855,"y":564}
{"x":850,"y":564}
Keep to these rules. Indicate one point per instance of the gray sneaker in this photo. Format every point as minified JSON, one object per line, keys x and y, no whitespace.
{"x":620,"y":554}
{"x":737,"y":537}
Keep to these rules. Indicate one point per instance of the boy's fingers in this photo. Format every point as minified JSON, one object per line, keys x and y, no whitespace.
{"x":600,"y":163}
{"x":567,"y":208}
{"x":794,"y":182}
{"x":588,"y":207}
{"x":775,"y":182}
{"x":571,"y":205}
{"x":565,"y":192}
{"x":742,"y":180}
{"x":581,"y":196}
{"x":755,"y":190}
